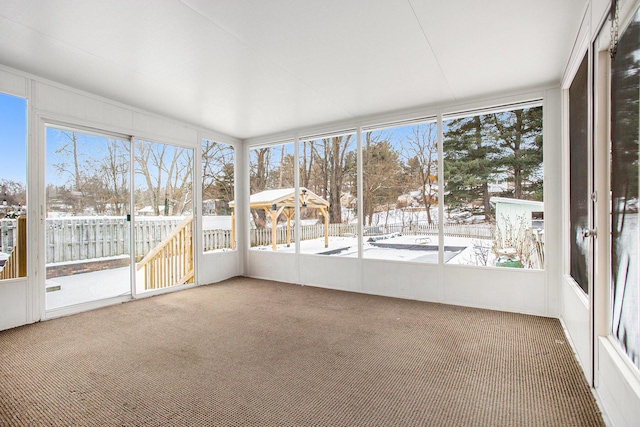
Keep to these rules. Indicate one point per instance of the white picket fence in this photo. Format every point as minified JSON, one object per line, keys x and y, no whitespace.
{"x":81,"y":238}
{"x":7,"y":235}
{"x":262,"y":237}
{"x":75,"y":239}
{"x":213,"y":240}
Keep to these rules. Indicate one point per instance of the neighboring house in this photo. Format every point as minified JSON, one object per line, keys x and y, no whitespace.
{"x":209,"y":207}
{"x":147,"y":211}
{"x":215,"y":207}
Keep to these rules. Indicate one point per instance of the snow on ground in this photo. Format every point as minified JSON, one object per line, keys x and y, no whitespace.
{"x":93,"y":286}
{"x":409,"y":216}
{"x":458,"y":250}
{"x":216,"y":222}
{"x":86,"y":287}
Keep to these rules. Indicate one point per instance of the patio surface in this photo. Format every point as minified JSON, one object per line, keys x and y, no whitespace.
{"x":93,"y":286}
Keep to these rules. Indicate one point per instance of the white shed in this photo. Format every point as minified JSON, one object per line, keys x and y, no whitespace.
{"x":515,"y":211}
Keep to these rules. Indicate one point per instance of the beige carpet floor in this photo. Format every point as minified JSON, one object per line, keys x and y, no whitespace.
{"x":249,"y":352}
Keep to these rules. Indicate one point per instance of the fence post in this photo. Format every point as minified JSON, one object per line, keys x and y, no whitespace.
{"x":22,"y":246}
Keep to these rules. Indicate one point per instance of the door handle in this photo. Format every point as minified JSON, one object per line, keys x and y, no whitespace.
{"x":590,"y":232}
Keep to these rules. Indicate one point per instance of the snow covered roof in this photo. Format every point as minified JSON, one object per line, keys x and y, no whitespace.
{"x":495,"y":200}
{"x":271,"y":196}
{"x":284,"y":197}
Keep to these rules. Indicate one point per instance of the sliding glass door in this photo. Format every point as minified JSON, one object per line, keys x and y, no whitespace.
{"x":163,"y":215}
{"x":88,"y":227}
{"x":86,"y":224}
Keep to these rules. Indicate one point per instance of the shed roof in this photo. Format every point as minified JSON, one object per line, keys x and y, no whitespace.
{"x":496,"y":200}
{"x":284,"y":197}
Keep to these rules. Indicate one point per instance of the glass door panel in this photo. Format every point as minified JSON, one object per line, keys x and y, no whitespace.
{"x":86,"y":228}
{"x":163,"y":215}
{"x":13,"y":187}
{"x":625,"y":160}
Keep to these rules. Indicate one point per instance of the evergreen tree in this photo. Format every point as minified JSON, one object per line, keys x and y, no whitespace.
{"x":503,"y":147}
{"x":518,"y":134}
{"x":471,"y":162}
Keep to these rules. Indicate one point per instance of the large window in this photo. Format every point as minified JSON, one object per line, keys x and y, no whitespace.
{"x":272,"y":204}
{"x":328,"y":175}
{"x":493,"y":189}
{"x":493,"y":210}
{"x":400,"y":193}
{"x":625,"y":233}
{"x":13,"y":187}
{"x":218,"y":219}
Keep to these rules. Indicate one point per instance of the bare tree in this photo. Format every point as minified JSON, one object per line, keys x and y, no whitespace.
{"x":339,"y":145}
{"x":307,"y":163}
{"x":179,"y":188}
{"x":218,"y":172}
{"x":69,"y":165}
{"x":114,"y":176}
{"x":259,"y":166}
{"x":421,"y":155}
{"x":167,"y":172}
{"x":13,"y":192}
{"x":149,"y":163}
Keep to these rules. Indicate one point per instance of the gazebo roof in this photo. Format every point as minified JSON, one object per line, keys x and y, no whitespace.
{"x":284,"y":197}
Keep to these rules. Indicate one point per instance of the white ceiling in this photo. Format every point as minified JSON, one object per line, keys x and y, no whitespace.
{"x":249,"y":68}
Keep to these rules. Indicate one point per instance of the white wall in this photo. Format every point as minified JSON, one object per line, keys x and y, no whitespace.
{"x":215,"y":267}
{"x":619,"y":387}
{"x":13,"y":303}
{"x":22,"y":300}
{"x":514,"y":290}
{"x":575,"y":318}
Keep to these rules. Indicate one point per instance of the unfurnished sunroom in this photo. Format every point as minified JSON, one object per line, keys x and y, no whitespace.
{"x":481,"y":155}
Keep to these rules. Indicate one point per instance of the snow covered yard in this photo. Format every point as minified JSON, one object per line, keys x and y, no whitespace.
{"x":394,"y":247}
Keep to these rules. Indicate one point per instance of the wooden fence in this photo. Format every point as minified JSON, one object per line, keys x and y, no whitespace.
{"x":82,"y":238}
{"x":213,"y":240}
{"x":16,"y":264}
{"x":262,"y":237}
{"x":75,"y":239}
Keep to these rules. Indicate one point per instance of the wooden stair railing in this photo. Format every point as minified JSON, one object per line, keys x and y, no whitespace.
{"x":16,"y":264}
{"x":171,"y":262}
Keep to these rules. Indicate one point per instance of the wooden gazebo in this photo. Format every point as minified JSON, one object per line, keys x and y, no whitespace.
{"x":282,"y":201}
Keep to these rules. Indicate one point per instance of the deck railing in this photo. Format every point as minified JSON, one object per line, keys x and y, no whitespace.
{"x":171,"y":262}
{"x":16,"y":264}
